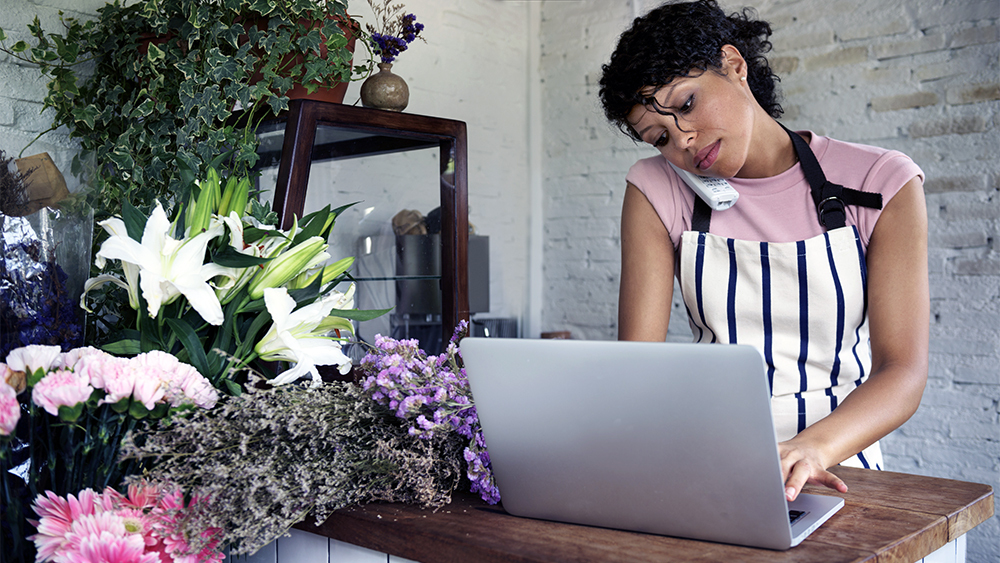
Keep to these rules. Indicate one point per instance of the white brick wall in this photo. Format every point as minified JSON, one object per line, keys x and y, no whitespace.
{"x":920,"y":76}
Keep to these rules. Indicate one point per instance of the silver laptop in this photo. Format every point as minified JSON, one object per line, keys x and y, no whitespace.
{"x":670,"y":439}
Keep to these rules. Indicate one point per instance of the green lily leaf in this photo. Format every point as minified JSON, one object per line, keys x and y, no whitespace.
{"x":123,"y":348}
{"x":192,"y":345}
{"x":229,"y":257}
{"x":359,"y":314}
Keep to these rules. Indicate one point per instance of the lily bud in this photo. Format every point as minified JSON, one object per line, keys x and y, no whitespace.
{"x":200,"y":215}
{"x":282,"y":269}
{"x":235,"y":197}
{"x":339,"y":267}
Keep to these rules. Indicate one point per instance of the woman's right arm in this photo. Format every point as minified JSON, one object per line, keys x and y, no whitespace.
{"x":647,"y":277}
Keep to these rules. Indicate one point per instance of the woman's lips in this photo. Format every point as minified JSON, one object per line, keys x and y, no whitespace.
{"x":706,"y":156}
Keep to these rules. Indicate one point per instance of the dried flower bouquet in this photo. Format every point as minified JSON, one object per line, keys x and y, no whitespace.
{"x":270,"y":457}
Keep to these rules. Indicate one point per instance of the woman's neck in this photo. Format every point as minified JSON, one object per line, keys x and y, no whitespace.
{"x":772,"y":151}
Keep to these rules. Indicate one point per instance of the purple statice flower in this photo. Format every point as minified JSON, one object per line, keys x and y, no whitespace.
{"x":480,"y":472}
{"x":431,"y":396}
{"x":395,"y":37}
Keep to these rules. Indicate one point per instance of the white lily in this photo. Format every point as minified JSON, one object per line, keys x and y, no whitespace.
{"x":236,"y":278}
{"x":300,"y":336}
{"x":169,"y":268}
{"x":116,"y":228}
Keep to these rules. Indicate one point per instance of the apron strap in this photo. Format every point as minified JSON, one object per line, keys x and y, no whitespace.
{"x":701,"y":218}
{"x":830,"y":199}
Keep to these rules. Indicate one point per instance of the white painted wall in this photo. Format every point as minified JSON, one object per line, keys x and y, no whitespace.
{"x":547,"y":173}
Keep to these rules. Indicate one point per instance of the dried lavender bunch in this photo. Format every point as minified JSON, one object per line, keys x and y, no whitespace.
{"x":13,"y":188}
{"x":268,"y":458}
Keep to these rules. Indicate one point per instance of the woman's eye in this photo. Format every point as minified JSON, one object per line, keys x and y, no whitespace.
{"x":661,"y":140}
{"x":686,"y":107}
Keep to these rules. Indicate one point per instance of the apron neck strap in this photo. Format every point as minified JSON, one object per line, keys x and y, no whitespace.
{"x":830,"y":199}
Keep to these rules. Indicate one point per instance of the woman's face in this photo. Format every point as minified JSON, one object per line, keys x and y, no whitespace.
{"x":715,"y":113}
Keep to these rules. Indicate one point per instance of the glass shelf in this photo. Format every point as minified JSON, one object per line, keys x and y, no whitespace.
{"x":385,"y":163}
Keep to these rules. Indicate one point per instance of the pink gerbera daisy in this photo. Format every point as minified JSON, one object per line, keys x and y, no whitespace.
{"x":108,"y":548}
{"x":57,"y":516}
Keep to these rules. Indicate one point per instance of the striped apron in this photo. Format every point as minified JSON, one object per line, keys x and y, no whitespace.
{"x":802,"y":304}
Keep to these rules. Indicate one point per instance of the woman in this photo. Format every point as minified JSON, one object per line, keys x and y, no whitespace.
{"x":821,"y":263}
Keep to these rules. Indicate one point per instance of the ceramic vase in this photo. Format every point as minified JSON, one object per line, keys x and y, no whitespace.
{"x":385,"y":90}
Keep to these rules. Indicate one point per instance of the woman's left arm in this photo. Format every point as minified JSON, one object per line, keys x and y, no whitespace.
{"x":899,"y":318}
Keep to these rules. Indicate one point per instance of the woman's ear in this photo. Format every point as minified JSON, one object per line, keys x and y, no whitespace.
{"x":733,"y":62}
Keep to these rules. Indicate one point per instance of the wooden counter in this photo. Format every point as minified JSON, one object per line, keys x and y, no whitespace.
{"x":887,"y":517}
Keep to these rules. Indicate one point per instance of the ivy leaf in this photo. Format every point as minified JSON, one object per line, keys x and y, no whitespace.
{"x":19,"y":47}
{"x":135,"y":221}
{"x":144,"y":109}
{"x":87,"y":115}
{"x":154,"y":53}
{"x":122,"y":160}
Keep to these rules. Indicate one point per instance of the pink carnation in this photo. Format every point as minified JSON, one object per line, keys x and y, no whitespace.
{"x":10,"y":410}
{"x":95,"y":364}
{"x":182,"y":382}
{"x":61,"y":388}
{"x":34,"y":357}
{"x":187,"y":385}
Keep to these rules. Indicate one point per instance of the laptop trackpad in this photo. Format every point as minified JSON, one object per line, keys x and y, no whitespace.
{"x":808,"y":512}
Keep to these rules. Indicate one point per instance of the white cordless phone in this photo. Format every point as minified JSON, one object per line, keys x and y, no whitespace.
{"x":716,"y":192}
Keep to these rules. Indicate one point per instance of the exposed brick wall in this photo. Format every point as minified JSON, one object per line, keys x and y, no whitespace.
{"x":920,"y":76}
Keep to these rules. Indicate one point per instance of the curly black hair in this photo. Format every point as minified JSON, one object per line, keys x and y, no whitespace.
{"x":675,"y":40}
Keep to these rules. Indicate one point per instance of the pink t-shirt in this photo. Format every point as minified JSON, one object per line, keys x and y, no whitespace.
{"x":780,"y":208}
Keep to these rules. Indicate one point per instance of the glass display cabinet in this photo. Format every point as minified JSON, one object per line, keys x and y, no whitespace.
{"x":408,"y":228}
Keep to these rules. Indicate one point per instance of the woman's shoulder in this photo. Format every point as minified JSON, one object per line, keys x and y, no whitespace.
{"x":652,"y":168}
{"x":857,"y":164}
{"x":665,"y":191}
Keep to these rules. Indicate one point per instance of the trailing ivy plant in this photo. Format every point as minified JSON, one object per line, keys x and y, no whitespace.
{"x":159,"y":91}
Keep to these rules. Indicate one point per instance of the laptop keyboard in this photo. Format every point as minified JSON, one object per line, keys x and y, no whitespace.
{"x":794,"y":515}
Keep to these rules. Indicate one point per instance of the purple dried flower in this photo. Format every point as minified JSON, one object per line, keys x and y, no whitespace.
{"x":430,"y":396}
{"x":398,"y":30}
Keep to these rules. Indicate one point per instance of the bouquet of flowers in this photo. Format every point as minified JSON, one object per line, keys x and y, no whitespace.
{"x":398,"y":29}
{"x":63,"y":419}
{"x":38,"y":244}
{"x":220,"y":286}
{"x":140,"y":527}
{"x":269,"y":457}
